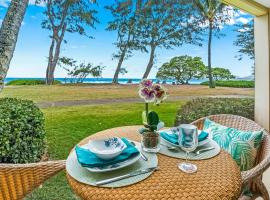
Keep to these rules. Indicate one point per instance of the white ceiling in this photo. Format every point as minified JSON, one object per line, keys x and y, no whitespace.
{"x":264,"y":2}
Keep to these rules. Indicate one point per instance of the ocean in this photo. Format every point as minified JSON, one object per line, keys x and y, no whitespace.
{"x":105,"y":80}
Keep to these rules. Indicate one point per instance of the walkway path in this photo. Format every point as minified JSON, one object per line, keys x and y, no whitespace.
{"x":124,"y":100}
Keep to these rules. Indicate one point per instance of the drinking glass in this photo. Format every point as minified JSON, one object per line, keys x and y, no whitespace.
{"x":188,"y":141}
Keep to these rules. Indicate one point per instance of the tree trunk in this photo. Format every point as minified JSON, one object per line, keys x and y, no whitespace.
{"x":50,"y":60}
{"x":151,"y":62}
{"x":210,"y":76}
{"x":119,"y":65}
{"x":52,"y":64}
{"x":9,"y":34}
{"x":54,"y":56}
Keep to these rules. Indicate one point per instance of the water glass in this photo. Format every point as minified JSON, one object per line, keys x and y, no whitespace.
{"x":188,"y":141}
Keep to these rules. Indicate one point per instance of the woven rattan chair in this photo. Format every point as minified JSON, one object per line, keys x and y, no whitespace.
{"x":17,"y":180}
{"x":253,"y":177}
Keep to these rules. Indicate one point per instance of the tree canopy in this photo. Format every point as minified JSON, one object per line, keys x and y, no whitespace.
{"x":245,"y":40}
{"x":124,"y":22}
{"x":222,"y":74}
{"x":182,"y":69}
{"x":78,"y":72}
{"x":165,"y":24}
{"x":63,"y":16}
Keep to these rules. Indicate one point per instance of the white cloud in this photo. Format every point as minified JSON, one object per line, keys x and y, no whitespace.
{"x":242,"y":12}
{"x":243,"y":29}
{"x":4,"y":3}
{"x":1,"y":22}
{"x":33,"y":2}
{"x":237,"y":16}
{"x":243,"y":20}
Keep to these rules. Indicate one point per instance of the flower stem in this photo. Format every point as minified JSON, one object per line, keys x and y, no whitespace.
{"x":146,"y":111}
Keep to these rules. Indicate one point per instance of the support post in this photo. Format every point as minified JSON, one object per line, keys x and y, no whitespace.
{"x":262,"y":70}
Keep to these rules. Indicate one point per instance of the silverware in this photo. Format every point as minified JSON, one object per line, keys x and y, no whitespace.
{"x":142,"y":155}
{"x":171,"y":147}
{"x":203,"y":150}
{"x":118,"y":178}
{"x":198,"y":152}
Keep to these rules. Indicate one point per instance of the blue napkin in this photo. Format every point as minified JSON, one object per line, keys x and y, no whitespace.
{"x":173,"y":138}
{"x":88,"y":159}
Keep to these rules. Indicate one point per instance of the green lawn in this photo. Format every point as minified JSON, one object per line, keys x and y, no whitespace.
{"x":66,"y":126}
{"x":42,"y":93}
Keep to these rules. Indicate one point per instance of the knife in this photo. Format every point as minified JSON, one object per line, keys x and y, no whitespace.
{"x":118,"y":178}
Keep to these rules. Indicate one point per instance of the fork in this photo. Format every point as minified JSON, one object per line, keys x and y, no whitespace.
{"x":142,"y":155}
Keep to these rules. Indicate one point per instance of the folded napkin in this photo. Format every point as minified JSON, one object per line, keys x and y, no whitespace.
{"x":88,"y":159}
{"x":173,"y":138}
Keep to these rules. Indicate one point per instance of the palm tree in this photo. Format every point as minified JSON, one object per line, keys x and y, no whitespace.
{"x":164,"y":24}
{"x":213,"y":14}
{"x":8,"y":35}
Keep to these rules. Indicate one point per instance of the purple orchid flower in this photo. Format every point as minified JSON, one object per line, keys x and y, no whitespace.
{"x":147,"y":94}
{"x":152,"y":92}
{"x":146,"y":83}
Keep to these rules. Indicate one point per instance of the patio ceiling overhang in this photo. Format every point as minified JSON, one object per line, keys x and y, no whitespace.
{"x":249,"y":6}
{"x":261,"y":10}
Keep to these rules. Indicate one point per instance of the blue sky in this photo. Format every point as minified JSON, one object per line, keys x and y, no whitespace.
{"x":30,"y":57}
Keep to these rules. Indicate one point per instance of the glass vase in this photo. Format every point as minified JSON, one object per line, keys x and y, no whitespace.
{"x":150,"y":141}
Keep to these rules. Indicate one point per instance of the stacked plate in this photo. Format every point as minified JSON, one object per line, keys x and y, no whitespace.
{"x":109,"y":149}
{"x":85,"y":164}
{"x":202,"y":143}
{"x":207,"y":148}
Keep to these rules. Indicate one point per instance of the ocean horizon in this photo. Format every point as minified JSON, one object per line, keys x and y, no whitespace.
{"x":106,"y":80}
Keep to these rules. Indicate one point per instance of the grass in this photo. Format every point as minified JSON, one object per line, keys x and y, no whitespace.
{"x":30,"y":82}
{"x":66,"y":126}
{"x":42,"y":93}
{"x":233,"y":83}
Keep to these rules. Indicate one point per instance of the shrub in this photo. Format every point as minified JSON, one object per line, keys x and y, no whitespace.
{"x":22,"y":134}
{"x":233,"y":83}
{"x":203,"y":107}
{"x":31,"y":82}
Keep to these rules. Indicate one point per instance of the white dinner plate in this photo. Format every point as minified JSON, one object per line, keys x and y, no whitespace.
{"x":117,"y":166}
{"x":202,"y":143}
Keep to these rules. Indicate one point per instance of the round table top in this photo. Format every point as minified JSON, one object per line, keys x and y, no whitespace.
{"x":216,"y":178}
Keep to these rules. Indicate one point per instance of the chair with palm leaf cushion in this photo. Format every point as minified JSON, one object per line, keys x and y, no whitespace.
{"x":242,"y":145}
{"x":251,"y":178}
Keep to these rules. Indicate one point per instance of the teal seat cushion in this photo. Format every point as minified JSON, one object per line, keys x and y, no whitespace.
{"x":242,"y":145}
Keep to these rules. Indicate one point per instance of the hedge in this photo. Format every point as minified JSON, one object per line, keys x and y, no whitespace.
{"x":202,"y":107}
{"x":30,"y":82}
{"x":22,"y":133}
{"x":233,"y":83}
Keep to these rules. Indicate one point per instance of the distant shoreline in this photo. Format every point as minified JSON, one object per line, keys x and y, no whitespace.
{"x":107,"y":80}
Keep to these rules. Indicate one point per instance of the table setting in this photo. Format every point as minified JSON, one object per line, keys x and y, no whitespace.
{"x":124,"y":163}
{"x":139,"y":156}
{"x":117,"y":162}
{"x":199,"y":147}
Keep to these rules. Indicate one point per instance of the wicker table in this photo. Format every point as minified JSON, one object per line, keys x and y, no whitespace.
{"x":217,"y":178}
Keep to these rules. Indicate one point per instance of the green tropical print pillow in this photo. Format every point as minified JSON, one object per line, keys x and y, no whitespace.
{"x":242,"y":145}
